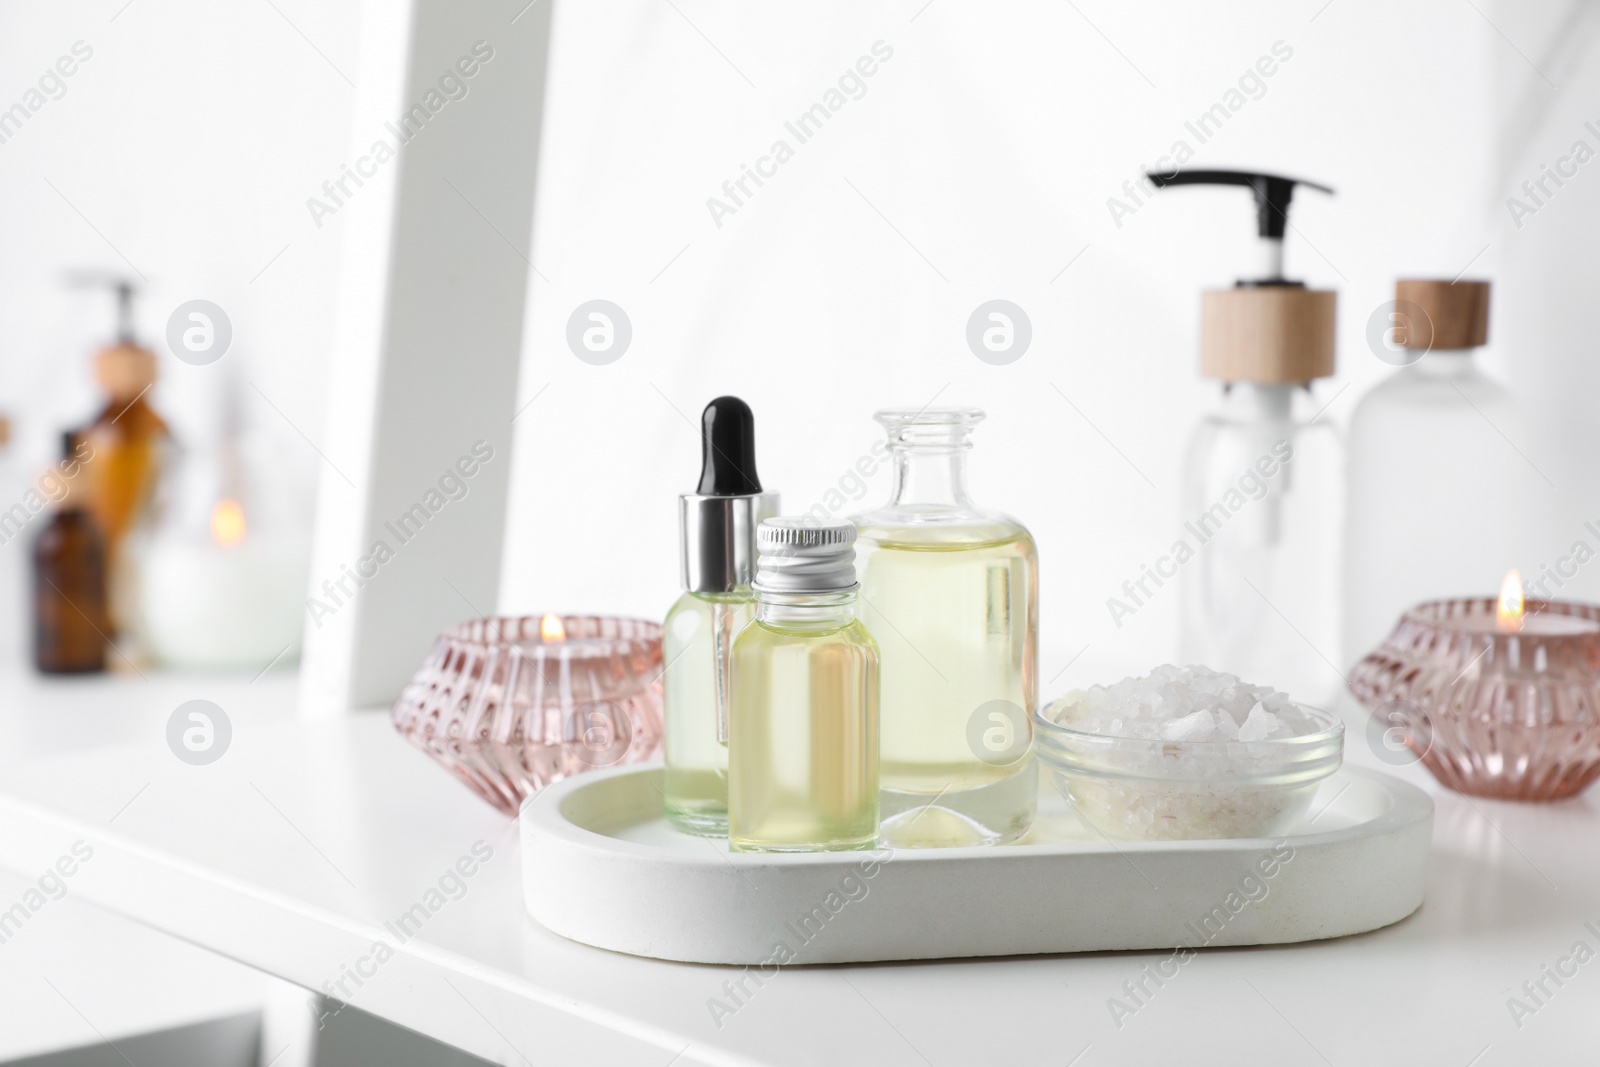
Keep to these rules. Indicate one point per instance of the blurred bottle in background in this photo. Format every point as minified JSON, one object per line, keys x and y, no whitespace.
{"x":1263,"y":481}
{"x":129,"y":442}
{"x":1439,"y":491}
{"x":69,"y":576}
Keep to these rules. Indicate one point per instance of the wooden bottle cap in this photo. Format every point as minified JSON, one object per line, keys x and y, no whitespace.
{"x":1269,"y":334}
{"x":1453,"y":314}
{"x":124,"y":371}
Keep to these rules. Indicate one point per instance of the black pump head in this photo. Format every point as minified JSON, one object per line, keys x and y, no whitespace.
{"x":728,"y":443}
{"x":124,"y":288}
{"x":1273,"y":192}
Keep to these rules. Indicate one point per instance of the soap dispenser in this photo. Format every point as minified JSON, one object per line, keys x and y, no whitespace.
{"x":1438,"y":477}
{"x":1257,"y":563}
{"x":128,"y":438}
{"x":717,"y":527}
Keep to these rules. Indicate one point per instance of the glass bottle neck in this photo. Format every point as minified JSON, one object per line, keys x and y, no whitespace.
{"x":930,"y":475}
{"x":807,"y":611}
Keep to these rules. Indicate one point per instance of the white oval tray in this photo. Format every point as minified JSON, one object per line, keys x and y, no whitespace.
{"x":601,"y":866}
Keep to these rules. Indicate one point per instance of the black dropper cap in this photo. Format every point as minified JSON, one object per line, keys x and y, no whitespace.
{"x":728,"y":443}
{"x":1273,"y":192}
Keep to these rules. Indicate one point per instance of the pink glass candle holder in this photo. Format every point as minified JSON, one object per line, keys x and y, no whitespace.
{"x":510,"y":705}
{"x":1493,"y":708}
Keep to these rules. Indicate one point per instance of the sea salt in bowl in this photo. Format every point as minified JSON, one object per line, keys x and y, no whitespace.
{"x":1187,"y":753}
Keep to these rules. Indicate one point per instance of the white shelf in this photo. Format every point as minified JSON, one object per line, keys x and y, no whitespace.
{"x":112,"y":979}
{"x":294,"y":851}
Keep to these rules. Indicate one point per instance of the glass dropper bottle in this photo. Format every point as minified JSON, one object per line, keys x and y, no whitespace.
{"x":718,"y":533}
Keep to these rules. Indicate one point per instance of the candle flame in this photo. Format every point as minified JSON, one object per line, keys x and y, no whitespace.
{"x":227,"y":523}
{"x":1511,"y":608}
{"x":551,"y":630}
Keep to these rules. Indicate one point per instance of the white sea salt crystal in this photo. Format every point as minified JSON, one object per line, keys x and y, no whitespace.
{"x":1197,"y":742}
{"x":1199,"y":726}
{"x":1148,"y":707}
{"x":1260,"y":725}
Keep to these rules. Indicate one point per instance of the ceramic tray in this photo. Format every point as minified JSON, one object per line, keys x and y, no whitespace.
{"x":601,"y":866}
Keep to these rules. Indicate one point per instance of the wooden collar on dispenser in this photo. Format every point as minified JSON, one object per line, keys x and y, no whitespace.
{"x":1268,"y":334}
{"x":125,"y":370}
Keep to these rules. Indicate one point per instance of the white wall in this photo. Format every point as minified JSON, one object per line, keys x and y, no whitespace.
{"x":991,"y":142}
{"x":190,"y":140}
{"x":1550,"y":74}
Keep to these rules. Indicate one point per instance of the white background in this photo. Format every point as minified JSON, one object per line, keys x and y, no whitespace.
{"x":977,"y":166}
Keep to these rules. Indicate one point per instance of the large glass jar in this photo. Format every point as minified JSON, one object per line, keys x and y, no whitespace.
{"x":951,"y":593}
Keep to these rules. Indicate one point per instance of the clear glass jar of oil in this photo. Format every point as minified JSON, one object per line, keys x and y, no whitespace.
{"x":951,"y":593}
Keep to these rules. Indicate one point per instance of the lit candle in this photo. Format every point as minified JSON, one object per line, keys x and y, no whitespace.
{"x":1546,"y":618}
{"x":225,"y":598}
{"x":1495,"y":697}
{"x":511,"y":704}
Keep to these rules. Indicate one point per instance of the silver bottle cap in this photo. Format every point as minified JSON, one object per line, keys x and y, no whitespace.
{"x":719,"y":539}
{"x":802,"y":555}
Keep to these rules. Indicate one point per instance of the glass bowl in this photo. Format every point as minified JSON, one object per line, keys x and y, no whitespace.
{"x":509,"y":705}
{"x":1508,"y":714}
{"x":1140,"y":789}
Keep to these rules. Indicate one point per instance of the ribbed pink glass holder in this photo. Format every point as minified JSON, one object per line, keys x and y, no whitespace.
{"x":1511,"y":715}
{"x":508,"y":712}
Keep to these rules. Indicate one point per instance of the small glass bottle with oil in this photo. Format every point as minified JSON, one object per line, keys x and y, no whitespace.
{"x":951,"y":592}
{"x":803,"y":730}
{"x":718,"y":541}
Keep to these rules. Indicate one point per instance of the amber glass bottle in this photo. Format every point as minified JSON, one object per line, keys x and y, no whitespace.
{"x":128,"y":439}
{"x":129,"y":443}
{"x":69,"y":581}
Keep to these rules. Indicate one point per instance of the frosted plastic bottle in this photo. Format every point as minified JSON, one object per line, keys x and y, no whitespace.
{"x":1440,"y":481}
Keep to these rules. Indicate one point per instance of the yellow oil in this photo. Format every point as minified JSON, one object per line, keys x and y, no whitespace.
{"x":803,"y":739}
{"x":954,"y":611}
{"x":697,"y":631}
